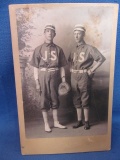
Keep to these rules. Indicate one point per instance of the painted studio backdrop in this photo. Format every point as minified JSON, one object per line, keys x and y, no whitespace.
{"x":98,"y":22}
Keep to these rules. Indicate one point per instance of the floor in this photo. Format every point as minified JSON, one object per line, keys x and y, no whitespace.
{"x":35,"y":127}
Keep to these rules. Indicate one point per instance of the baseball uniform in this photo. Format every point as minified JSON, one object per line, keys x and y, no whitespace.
{"x":48,"y":58}
{"x":81,"y":59}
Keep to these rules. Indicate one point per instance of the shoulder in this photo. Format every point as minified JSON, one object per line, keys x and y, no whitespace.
{"x":91,"y":48}
{"x":38,"y":47}
{"x":59,"y":49}
{"x":94,"y":51}
{"x":37,"y":50}
{"x":57,"y":46}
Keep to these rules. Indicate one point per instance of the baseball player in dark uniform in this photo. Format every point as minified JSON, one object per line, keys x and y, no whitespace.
{"x":48,"y":61}
{"x":82,"y":69}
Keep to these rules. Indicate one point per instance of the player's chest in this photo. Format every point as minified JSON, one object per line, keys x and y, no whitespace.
{"x":81,"y":55}
{"x":49,"y":54}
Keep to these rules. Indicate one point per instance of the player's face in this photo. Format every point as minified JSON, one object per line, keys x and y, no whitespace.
{"x":78,"y":35}
{"x":49,"y":34}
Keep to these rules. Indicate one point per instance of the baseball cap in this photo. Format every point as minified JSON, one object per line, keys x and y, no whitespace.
{"x":79,"y":27}
{"x":50,"y":26}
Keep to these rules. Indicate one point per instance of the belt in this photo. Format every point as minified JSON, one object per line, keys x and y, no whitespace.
{"x":49,"y":69}
{"x":78,"y":71}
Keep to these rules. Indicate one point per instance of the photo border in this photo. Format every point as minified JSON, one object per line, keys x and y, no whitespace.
{"x":61,"y":144}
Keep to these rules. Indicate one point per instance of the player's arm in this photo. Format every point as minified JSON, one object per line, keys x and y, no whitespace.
{"x":62,"y":63}
{"x":99,"y":59}
{"x":36,"y":78}
{"x":93,"y":69}
{"x":35,"y":64}
{"x":62,"y":74}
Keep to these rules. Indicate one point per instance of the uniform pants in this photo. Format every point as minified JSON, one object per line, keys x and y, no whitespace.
{"x":81,"y":86}
{"x":49,"y":82}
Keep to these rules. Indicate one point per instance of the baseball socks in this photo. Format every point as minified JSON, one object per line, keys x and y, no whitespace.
{"x":45,"y":118}
{"x":86,"y":114}
{"x":56,"y":122}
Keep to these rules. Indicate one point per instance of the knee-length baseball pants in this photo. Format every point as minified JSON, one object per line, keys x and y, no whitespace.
{"x":81,"y":86}
{"x":49,"y":82}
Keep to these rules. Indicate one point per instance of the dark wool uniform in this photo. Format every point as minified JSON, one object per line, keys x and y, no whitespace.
{"x":48,"y":58}
{"x":81,"y":59}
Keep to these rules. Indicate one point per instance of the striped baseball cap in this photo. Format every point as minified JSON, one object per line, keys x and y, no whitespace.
{"x":79,"y":27}
{"x":50,"y":26}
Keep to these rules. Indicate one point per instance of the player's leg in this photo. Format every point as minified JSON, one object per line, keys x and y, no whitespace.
{"x":76,"y":100}
{"x":79,"y":118}
{"x":56,"y":122}
{"x":54,"y":98}
{"x":86,"y":115}
{"x":85,"y":98}
{"x":79,"y":114}
{"x":45,"y":118}
{"x":44,"y":98}
{"x":85,"y":103}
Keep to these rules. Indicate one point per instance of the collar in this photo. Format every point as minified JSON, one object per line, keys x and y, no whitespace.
{"x":81,"y":43}
{"x":49,"y":44}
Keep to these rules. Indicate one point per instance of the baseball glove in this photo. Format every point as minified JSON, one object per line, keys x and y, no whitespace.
{"x":63,"y":88}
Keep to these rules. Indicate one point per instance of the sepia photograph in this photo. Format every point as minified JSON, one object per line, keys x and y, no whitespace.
{"x":64,"y":71}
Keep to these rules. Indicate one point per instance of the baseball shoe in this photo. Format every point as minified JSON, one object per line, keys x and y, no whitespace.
{"x":86,"y":125}
{"x":79,"y":124}
{"x":47,"y":128}
{"x":58,"y":125}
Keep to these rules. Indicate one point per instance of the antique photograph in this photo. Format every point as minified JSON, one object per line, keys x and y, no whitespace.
{"x":64,"y":70}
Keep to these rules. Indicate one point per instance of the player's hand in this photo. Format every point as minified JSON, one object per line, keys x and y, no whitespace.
{"x":90,"y":73}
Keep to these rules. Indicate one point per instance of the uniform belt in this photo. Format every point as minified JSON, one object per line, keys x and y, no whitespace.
{"x":49,"y":69}
{"x":79,"y":71}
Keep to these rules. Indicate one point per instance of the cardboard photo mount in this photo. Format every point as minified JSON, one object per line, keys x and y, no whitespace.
{"x":70,"y":144}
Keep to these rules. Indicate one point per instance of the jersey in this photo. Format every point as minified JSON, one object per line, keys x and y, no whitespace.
{"x":48,"y":56}
{"x":83,"y":56}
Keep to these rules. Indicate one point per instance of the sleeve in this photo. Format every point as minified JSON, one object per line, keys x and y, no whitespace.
{"x":97,"y":56}
{"x":62,"y":59}
{"x":35,"y":58}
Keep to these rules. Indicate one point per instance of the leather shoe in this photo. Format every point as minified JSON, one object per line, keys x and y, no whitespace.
{"x":58,"y":125}
{"x":47,"y":128}
{"x":79,"y":124}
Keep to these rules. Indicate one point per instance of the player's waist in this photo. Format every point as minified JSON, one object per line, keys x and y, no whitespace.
{"x":49,"y":69}
{"x":78,"y":70}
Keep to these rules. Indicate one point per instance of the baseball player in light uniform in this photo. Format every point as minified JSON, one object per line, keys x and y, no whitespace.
{"x":48,"y":61}
{"x":82,"y":69}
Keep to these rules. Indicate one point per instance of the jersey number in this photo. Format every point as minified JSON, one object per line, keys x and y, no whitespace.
{"x":81,"y":57}
{"x":53,"y":56}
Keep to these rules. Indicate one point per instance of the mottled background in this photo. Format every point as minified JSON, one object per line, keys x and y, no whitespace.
{"x":98,"y":22}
